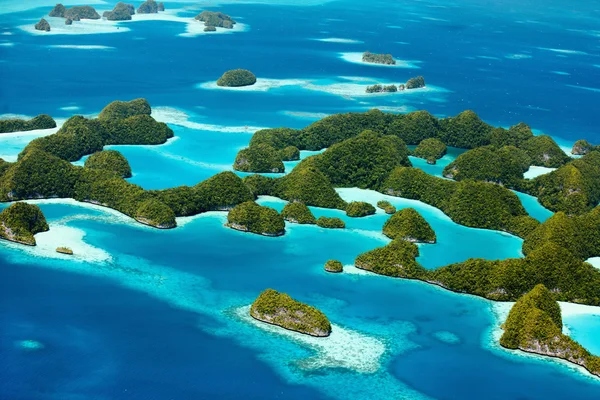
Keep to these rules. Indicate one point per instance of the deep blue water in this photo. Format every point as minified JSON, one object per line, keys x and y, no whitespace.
{"x":158,"y":320}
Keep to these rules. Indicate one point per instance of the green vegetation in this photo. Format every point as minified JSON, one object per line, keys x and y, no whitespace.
{"x":290,"y":153}
{"x":259,"y":185}
{"x":278,"y":138}
{"x":407,"y":224}
{"x":77,"y":13}
{"x":331,"y":223}
{"x":280,"y":309}
{"x":386,"y":206}
{"x":236,"y":78}
{"x":156,"y":213}
{"x":250,"y":217}
{"x":359,"y":209}
{"x":110,"y":160}
{"x":118,"y":110}
{"x":20,"y":221}
{"x":222,"y":192}
{"x":42,"y":121}
{"x":582,"y":147}
{"x":415,"y":83}
{"x":121,"y":12}
{"x":466,"y":131}
{"x":214,"y":19}
{"x":382,"y":89}
{"x":544,"y":152}
{"x":298,"y":213}
{"x":515,"y":136}
{"x":149,"y":7}
{"x":534,"y":325}
{"x":334,"y":266}
{"x":386,"y":59}
{"x":505,"y":165}
{"x":64,"y":250}
{"x":431,"y":149}
{"x":259,"y":158}
{"x":396,"y":259}
{"x":42,"y":25}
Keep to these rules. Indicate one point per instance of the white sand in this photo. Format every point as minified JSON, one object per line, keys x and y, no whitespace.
{"x":170,"y":115}
{"x":356,"y":58}
{"x":595,"y":261}
{"x":81,"y":47}
{"x":304,"y":115}
{"x":339,"y":40}
{"x":535,"y":171}
{"x":344,"y":348}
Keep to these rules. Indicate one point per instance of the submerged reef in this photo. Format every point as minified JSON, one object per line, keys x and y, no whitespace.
{"x":386,"y":59}
{"x":280,"y":309}
{"x":237,"y":78}
{"x":42,"y":121}
{"x":251,"y":217}
{"x":534,"y":325}
{"x":20,"y":221}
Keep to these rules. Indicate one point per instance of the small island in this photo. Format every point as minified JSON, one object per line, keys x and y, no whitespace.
{"x":396,"y":259}
{"x":237,"y":78}
{"x":251,"y":217}
{"x":334,"y":266}
{"x":20,"y":221}
{"x":383,"y":88}
{"x":259,"y":158}
{"x":431,"y":149}
{"x":331,"y":223}
{"x":582,"y":147}
{"x":110,"y":160}
{"x":43,"y":25}
{"x":407,"y":224}
{"x":64,"y":250}
{"x":359,"y":209}
{"x":415,"y":83}
{"x":121,"y":12}
{"x":386,"y":59}
{"x":150,"y":7}
{"x":386,"y":206}
{"x":213,"y":19}
{"x":298,"y":213}
{"x":280,"y":309}
{"x":534,"y":325}
{"x":42,"y":121}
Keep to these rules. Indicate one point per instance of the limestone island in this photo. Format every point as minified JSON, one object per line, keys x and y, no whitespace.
{"x":298,"y":213}
{"x":534,"y":325}
{"x":582,"y":147}
{"x":237,"y":78}
{"x":407,"y":224}
{"x":431,"y":149}
{"x":334,"y":266}
{"x":64,"y":250}
{"x":383,"y":88}
{"x":150,"y":7}
{"x":42,"y":121}
{"x":386,"y":206}
{"x":279,"y":309}
{"x":359,"y":209}
{"x":75,"y":13}
{"x":395,"y":259}
{"x":251,"y":217}
{"x":43,"y":25}
{"x":331,"y":223}
{"x":386,"y":59}
{"x":212,"y":20}
{"x":259,"y":158}
{"x":121,"y":12}
{"x":155,"y":213}
{"x":415,"y":83}
{"x":109,"y":160}
{"x":20,"y":221}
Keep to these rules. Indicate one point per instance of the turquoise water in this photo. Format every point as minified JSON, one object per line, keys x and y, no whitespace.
{"x":147,"y":314}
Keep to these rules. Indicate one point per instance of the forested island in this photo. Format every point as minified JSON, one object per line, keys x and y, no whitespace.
{"x":385,"y":59}
{"x":407,"y":224}
{"x":412,"y":83}
{"x":213,"y":19}
{"x":75,"y":13}
{"x":42,"y":121}
{"x":20,"y":221}
{"x":251,"y":217}
{"x":280,"y":309}
{"x":298,"y":213}
{"x":431,"y":149}
{"x":333,"y":266}
{"x":386,"y":206}
{"x":121,"y":12}
{"x":237,"y":78}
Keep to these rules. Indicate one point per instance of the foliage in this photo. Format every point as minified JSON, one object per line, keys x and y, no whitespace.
{"x":407,"y":224}
{"x":515,"y":136}
{"x":378,"y":58}
{"x":415,"y":83}
{"x":414,"y":127}
{"x":58,"y":11}
{"x":278,"y":138}
{"x":42,"y":25}
{"x":259,"y":158}
{"x":148,"y":7}
{"x":138,"y":129}
{"x":333,"y":266}
{"x":544,"y":152}
{"x":280,"y":309}
{"x":110,"y":160}
{"x":223,"y":191}
{"x":259,"y":185}
{"x":42,"y":121}
{"x":331,"y":223}
{"x":395,"y":259}
{"x":155,"y":213}
{"x":466,"y":130}
{"x":430,"y":149}
{"x":183,"y":200}
{"x":298,"y":212}
{"x":290,"y":153}
{"x":382,"y":88}
{"x":359,"y":209}
{"x":582,"y":147}
{"x":236,"y":78}
{"x":386,"y":206}
{"x":118,"y":110}
{"x":20,"y":221}
{"x":211,"y":18}
{"x":121,"y":12}
{"x":81,"y":12}
{"x":251,"y":217}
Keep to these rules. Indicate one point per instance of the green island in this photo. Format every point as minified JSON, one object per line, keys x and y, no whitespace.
{"x":298,"y":213}
{"x":251,"y":217}
{"x":121,"y":12}
{"x":415,"y":83}
{"x":359,"y":209}
{"x":213,"y":20}
{"x":431,"y":149}
{"x":534,"y":325}
{"x":386,"y":59}
{"x":407,"y":224}
{"x":20,"y":221}
{"x":331,"y":223}
{"x":109,"y":160}
{"x":396,"y":259}
{"x":64,"y":250}
{"x":41,"y":121}
{"x":42,"y":25}
{"x":150,"y":7}
{"x":259,"y":158}
{"x":377,"y":88}
{"x":280,"y":309}
{"x":582,"y":147}
{"x":386,"y":206}
{"x":77,"y":13}
{"x":237,"y":78}
{"x":334,"y":266}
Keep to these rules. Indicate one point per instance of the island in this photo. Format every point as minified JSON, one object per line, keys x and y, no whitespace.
{"x":396,"y":259}
{"x":334,"y":266}
{"x":213,"y":19}
{"x":386,"y":206}
{"x":534,"y":325}
{"x":77,"y":13}
{"x":20,"y":221}
{"x":237,"y":78}
{"x":431,"y":149}
{"x":58,"y":11}
{"x":121,"y":12}
{"x":150,"y":7}
{"x":298,"y":213}
{"x":407,"y":224}
{"x":42,"y":25}
{"x":251,"y":217}
{"x":290,"y":153}
{"x":415,"y":83}
{"x":280,"y":309}
{"x":110,"y":160}
{"x":259,"y":158}
{"x":377,"y":88}
{"x":385,"y":59}
{"x":155,"y":213}
{"x":64,"y":250}
{"x":357,"y":209}
{"x":582,"y":147}
{"x":331,"y":223}
{"x":42,"y":121}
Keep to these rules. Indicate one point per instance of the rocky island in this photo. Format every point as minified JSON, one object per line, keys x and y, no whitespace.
{"x":279,"y":309}
{"x":298,"y":213}
{"x":237,"y":78}
{"x":64,"y":250}
{"x":42,"y":25}
{"x":431,"y":149}
{"x":334,"y":266}
{"x":110,"y":160}
{"x":385,"y":59}
{"x":396,"y":259}
{"x":415,"y":83}
{"x":42,"y":121}
{"x":259,"y":158}
{"x":150,"y":7}
{"x":121,"y":12}
{"x":407,"y":224}
{"x":534,"y":325}
{"x":359,"y":209}
{"x":386,"y":206}
{"x":212,"y":20}
{"x":251,"y":217}
{"x":20,"y":221}
{"x":582,"y":147}
{"x":331,"y":223}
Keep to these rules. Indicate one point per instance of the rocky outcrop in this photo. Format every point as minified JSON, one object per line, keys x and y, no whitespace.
{"x":43,"y":25}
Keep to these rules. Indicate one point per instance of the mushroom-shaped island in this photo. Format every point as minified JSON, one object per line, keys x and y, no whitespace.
{"x":407,"y":224}
{"x":373,"y":58}
{"x":396,"y":259}
{"x":20,"y":221}
{"x":334,"y":266}
{"x":251,"y":217}
{"x":237,"y":78}
{"x":42,"y":121}
{"x":150,"y":7}
{"x":359,"y":209}
{"x":280,"y":309}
